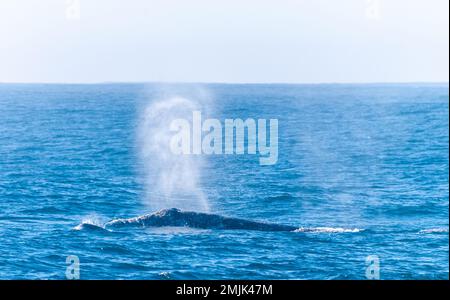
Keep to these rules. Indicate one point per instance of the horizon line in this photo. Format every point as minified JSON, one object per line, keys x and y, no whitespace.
{"x":223,"y":82}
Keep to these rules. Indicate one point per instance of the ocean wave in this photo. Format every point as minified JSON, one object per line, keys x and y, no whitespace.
{"x":283,"y":197}
{"x":434,"y":230}
{"x":328,"y":230}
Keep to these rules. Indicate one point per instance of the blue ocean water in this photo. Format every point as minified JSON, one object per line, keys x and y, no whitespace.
{"x":364,"y":167}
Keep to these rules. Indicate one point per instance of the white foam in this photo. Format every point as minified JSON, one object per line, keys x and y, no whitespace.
{"x":89,"y":222}
{"x":329,"y":230}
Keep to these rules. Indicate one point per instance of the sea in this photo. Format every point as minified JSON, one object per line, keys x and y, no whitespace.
{"x":362,"y":171}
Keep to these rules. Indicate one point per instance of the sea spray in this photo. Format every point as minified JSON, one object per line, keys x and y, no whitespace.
{"x":170,"y":180}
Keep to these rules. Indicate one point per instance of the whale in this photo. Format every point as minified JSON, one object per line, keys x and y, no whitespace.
{"x":174,"y":217}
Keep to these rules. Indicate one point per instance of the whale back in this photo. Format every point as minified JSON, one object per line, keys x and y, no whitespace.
{"x":177,"y":218}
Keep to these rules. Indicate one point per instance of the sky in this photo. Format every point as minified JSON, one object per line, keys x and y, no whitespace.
{"x":233,"y":41}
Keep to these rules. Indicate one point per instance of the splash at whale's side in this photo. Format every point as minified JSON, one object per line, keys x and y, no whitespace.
{"x":178,"y":218}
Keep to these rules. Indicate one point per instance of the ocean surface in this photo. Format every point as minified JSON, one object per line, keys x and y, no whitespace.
{"x":363,"y":170}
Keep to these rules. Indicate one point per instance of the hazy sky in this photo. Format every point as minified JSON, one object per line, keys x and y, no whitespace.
{"x":299,"y":41}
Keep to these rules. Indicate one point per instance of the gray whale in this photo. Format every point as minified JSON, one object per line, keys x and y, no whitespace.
{"x":177,"y":218}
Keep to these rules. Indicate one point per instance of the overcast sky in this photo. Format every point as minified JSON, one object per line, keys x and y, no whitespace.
{"x":296,"y":41}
